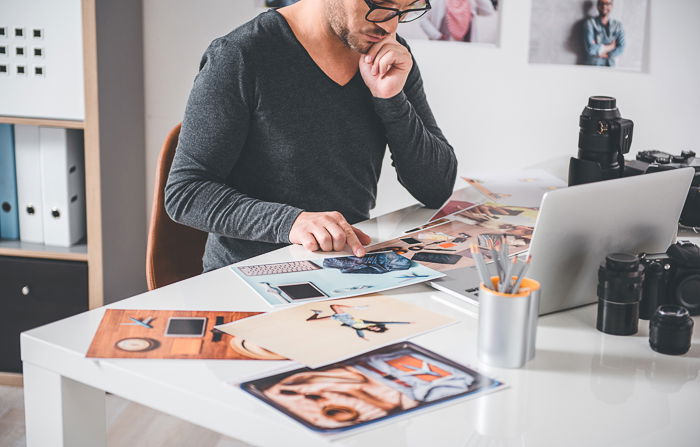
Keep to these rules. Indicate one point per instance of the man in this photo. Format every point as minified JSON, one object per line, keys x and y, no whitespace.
{"x":604,"y":38}
{"x":287,"y":124}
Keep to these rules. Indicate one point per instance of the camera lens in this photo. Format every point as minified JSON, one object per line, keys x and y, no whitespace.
{"x":604,"y":136}
{"x":620,"y":280}
{"x":602,"y":103}
{"x":670,"y":330}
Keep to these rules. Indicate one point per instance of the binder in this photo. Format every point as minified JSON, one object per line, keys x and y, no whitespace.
{"x":63,"y":185}
{"x":31,"y":226}
{"x":9,"y":222}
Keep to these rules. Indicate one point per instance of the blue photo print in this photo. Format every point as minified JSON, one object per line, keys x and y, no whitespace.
{"x":342,"y":277}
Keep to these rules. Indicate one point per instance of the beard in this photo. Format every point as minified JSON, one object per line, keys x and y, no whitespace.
{"x":338,"y":21}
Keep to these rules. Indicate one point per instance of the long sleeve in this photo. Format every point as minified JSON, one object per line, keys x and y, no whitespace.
{"x":425,"y":162}
{"x":213,"y":134}
{"x":619,"y":42}
{"x":589,"y":42}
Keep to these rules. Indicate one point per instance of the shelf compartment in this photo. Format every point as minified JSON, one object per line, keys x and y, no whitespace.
{"x":29,"y":250}
{"x":66,"y":124}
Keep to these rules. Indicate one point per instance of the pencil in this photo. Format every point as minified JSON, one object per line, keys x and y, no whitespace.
{"x":480,"y":265}
{"x":508,"y":282}
{"x":516,"y":287}
{"x":496,"y":257}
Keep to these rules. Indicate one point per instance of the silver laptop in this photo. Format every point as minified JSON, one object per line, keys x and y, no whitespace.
{"x":578,"y":226}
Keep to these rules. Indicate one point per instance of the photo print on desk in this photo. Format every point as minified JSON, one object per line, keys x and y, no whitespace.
{"x":320,"y":333}
{"x":520,"y":188}
{"x":340,"y":277}
{"x":168,"y":334}
{"x":382,"y":384}
{"x":602,"y":33}
{"x":447,"y":246}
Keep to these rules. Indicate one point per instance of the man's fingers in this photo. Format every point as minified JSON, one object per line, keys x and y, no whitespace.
{"x":339,"y":236}
{"x":309,"y":242}
{"x":384,"y":58}
{"x":362,"y":236}
{"x":323,"y":237}
{"x":372,"y":53}
{"x":352,"y":240}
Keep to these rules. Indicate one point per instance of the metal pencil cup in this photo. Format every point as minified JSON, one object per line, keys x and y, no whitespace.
{"x":508,"y":324}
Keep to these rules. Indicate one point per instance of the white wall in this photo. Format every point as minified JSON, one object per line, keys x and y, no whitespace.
{"x":495,"y":108}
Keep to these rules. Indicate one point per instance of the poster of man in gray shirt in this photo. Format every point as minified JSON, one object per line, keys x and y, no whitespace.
{"x":287,"y":125}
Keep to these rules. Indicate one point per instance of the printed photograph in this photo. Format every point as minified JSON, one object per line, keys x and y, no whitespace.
{"x":382,"y":384}
{"x":320,"y":333}
{"x":470,"y":21}
{"x":601,"y":33}
{"x":447,"y":246}
{"x":524,"y":189}
{"x":319,"y":279}
{"x":170,"y":334}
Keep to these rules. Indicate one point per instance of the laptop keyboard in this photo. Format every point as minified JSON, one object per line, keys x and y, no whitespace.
{"x":281,"y":267}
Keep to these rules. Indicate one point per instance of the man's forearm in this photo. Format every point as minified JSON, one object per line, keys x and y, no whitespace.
{"x":425,"y":162}
{"x":217,"y":208}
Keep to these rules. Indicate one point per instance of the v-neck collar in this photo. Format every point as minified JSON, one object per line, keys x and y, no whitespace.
{"x":308,"y":57}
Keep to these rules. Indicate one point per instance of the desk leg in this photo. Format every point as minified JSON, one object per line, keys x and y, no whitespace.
{"x":62,"y":412}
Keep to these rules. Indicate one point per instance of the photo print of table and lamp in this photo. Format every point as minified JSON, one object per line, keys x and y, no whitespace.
{"x":172,"y":334}
{"x":598,"y":33}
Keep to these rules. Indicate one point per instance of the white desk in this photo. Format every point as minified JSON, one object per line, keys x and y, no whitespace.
{"x":583,"y":387}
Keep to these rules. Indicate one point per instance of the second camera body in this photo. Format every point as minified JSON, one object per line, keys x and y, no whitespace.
{"x":671,"y":278}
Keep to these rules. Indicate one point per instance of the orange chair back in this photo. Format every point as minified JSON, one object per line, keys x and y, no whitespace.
{"x":174,"y":251}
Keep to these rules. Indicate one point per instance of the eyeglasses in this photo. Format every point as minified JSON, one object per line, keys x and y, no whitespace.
{"x":378,"y":14}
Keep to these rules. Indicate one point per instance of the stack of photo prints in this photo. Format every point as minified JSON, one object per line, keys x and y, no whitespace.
{"x":358,"y":367}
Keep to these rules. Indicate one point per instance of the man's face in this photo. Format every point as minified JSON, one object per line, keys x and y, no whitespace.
{"x":347,"y":20}
{"x":605,"y":7}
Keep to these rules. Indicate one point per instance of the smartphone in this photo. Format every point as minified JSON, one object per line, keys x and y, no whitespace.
{"x":437,"y":258}
{"x":301,"y":291}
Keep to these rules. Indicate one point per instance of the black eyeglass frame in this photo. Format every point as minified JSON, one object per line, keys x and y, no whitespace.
{"x":397,"y":12}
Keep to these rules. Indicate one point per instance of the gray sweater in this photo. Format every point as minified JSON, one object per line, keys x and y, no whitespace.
{"x":267,"y":135}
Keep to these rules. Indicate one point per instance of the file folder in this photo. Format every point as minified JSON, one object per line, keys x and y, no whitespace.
{"x":63,"y":185}
{"x":31,"y":226}
{"x":9,"y":222}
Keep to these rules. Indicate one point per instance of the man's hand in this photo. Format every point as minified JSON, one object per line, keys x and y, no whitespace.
{"x":605,"y":49}
{"x":385,"y":67}
{"x":327,"y":232}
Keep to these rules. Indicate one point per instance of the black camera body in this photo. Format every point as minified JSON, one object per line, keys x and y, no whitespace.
{"x":671,"y":278}
{"x":647,"y":162}
{"x":604,"y":138}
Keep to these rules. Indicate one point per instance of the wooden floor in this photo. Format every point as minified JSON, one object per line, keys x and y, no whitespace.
{"x":128,"y":424}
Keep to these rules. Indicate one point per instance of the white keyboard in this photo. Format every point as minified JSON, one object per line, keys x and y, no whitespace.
{"x":281,"y":267}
